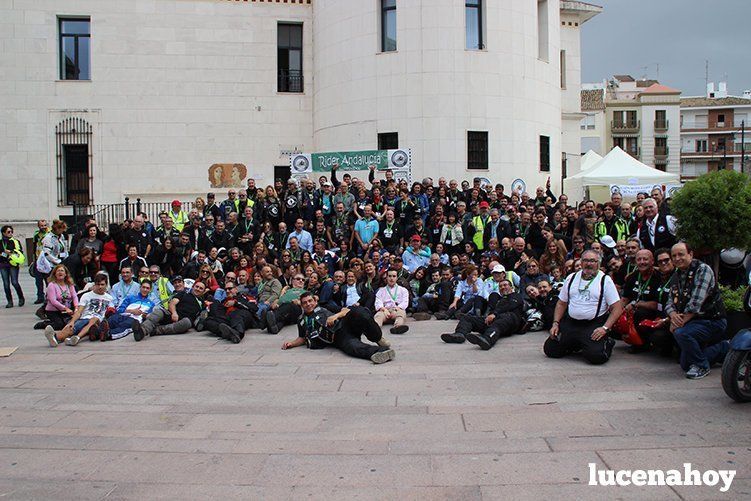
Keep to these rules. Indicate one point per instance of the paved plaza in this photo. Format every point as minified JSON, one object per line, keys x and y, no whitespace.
{"x":190,"y":417}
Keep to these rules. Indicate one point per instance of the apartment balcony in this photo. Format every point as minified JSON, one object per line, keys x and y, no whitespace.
{"x":662,"y":125}
{"x":704,"y":125}
{"x":711,"y":152}
{"x":661,"y":154}
{"x":625,"y":127}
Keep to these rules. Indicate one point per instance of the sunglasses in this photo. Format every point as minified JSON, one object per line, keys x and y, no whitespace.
{"x":663,"y":261}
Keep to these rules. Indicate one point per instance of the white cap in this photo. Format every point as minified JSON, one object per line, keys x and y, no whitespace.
{"x":498,"y":269}
{"x":607,"y":241}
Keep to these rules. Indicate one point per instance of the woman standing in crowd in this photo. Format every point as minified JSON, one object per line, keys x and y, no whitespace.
{"x":11,"y":258}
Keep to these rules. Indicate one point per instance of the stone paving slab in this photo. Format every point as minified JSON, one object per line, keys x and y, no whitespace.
{"x":191,"y":417}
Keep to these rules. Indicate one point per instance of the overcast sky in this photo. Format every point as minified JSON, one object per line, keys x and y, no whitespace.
{"x":678,"y":34}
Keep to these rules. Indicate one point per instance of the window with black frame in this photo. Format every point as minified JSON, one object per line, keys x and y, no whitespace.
{"x":473,"y":10}
{"x":545,"y":153}
{"x":289,"y":58}
{"x":388,"y":140}
{"x":388,"y":25}
{"x":75,"y":48}
{"x":477,"y":150}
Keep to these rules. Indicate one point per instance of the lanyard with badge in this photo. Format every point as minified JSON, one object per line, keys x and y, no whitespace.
{"x":388,"y":231}
{"x":641,"y":287}
{"x":394,"y":295}
{"x":584,"y":293}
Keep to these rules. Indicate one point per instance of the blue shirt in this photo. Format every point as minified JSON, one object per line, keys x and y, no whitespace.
{"x":463,"y":289}
{"x":304,"y":239}
{"x":367,"y":229}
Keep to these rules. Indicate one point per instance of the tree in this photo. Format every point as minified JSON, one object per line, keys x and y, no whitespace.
{"x":714,"y":212}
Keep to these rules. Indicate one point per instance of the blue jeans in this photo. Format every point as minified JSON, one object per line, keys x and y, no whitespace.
{"x":40,"y":282}
{"x":10,"y":276}
{"x":701,"y":342}
{"x":79,"y":325}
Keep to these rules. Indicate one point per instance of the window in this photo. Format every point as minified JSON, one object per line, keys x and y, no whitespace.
{"x":473,"y":10}
{"x":388,"y":140}
{"x":545,"y":153}
{"x":388,"y":25}
{"x":289,"y":58}
{"x":477,"y":150}
{"x":75,"y":48}
{"x":721,"y":120}
{"x":661,"y":120}
{"x":701,"y":145}
{"x":587,"y":123}
{"x":73,"y":148}
{"x":563,"y":69}
{"x":542,"y":30}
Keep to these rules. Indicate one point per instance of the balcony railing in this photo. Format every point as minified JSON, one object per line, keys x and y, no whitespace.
{"x":289,"y":81}
{"x":704,"y":124}
{"x":661,"y":125}
{"x":661,"y":153}
{"x":625,"y":126}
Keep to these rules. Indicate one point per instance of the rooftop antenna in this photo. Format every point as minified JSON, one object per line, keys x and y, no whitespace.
{"x":706,"y":73}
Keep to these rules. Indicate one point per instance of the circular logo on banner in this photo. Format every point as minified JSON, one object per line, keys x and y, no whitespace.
{"x":300,"y":163}
{"x":518,"y":185}
{"x":614,"y":190}
{"x":399,"y":158}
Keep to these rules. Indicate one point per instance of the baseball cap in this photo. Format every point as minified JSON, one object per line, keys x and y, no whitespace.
{"x":176,"y":203}
{"x":607,"y":241}
{"x":499,"y":268}
{"x":416,"y":238}
{"x":177,"y":278}
{"x":210,"y":195}
{"x":484,"y":205}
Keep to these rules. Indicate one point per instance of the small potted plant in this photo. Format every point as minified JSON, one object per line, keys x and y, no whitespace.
{"x":737,"y":317}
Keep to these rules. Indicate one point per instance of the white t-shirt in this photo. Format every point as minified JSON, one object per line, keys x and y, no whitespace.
{"x":582,"y":302}
{"x":95,"y":305}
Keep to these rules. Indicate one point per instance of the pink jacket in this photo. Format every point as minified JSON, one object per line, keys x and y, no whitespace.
{"x":55,"y":301}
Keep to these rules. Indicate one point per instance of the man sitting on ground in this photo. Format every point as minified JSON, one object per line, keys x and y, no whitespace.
{"x":391,"y":304}
{"x":697,"y":313}
{"x":319,"y":328}
{"x":184,"y":309}
{"x":581,"y":321}
{"x":230,"y":318}
{"x":506,"y":318}
{"x":85,"y":321}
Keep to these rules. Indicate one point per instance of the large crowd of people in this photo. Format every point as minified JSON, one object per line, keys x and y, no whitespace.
{"x":342,"y":258}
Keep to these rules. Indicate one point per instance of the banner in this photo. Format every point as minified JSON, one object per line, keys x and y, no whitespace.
{"x":306,"y":163}
{"x":631,"y":190}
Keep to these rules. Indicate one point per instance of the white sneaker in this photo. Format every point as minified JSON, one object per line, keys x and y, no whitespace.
{"x":72,"y":340}
{"x":384,"y":342}
{"x":49,"y":333}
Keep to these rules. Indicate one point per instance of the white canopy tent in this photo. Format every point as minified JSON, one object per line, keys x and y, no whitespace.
{"x":588,"y":160}
{"x":618,"y":167}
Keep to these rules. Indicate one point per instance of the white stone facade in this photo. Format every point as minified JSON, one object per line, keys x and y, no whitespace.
{"x":178,"y":85}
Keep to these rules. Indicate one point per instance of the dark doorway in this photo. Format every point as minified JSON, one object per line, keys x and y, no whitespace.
{"x":76,"y":166}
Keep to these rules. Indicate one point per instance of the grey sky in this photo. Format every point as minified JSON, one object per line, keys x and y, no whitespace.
{"x":678,"y":34}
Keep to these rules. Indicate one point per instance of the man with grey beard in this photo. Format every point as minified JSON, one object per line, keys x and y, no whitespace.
{"x":587,"y":308}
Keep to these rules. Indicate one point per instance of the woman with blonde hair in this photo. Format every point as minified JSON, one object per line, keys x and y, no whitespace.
{"x":62,"y":299}
{"x":199,"y":205}
{"x":206,"y":275}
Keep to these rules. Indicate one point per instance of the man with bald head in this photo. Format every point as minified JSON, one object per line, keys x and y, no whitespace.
{"x":658,"y":229}
{"x":640,"y":295}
